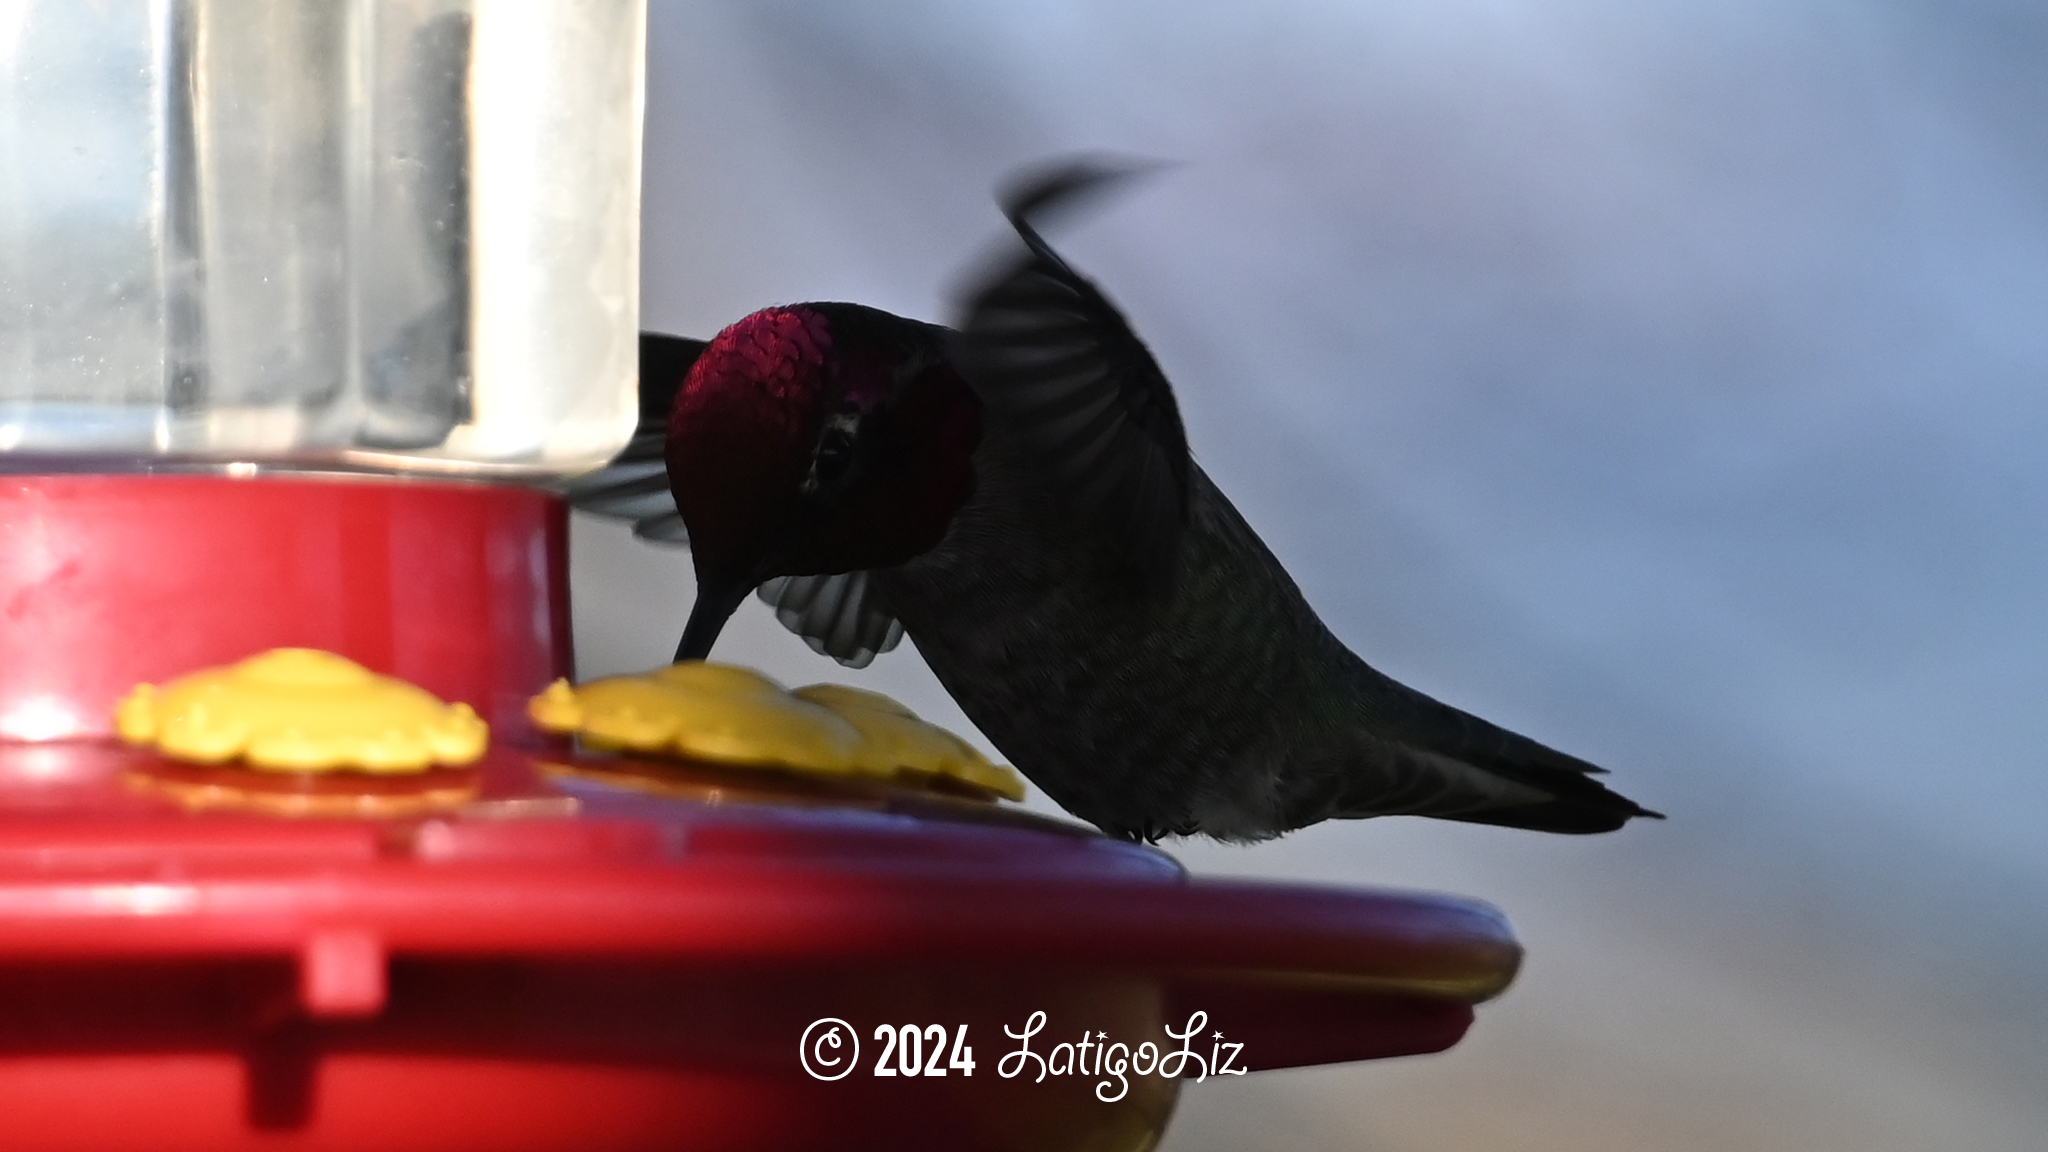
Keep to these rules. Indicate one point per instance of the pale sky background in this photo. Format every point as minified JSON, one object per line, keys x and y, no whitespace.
{"x":1666,"y":381}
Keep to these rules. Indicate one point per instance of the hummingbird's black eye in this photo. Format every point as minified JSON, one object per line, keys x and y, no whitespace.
{"x":834,"y":455}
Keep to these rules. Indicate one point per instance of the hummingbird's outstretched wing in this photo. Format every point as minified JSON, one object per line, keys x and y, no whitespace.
{"x":634,"y":486}
{"x":834,"y":615}
{"x":1053,"y":359}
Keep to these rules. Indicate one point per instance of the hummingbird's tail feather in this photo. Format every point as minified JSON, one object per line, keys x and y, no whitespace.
{"x":1452,"y":765}
{"x":1570,"y":818}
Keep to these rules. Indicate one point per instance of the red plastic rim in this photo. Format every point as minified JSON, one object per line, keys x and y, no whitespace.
{"x":110,"y":581}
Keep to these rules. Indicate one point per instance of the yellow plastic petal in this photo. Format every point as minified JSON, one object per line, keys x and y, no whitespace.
{"x":894,"y":740}
{"x":733,"y":715}
{"x":707,"y":711}
{"x":721,"y":679}
{"x":301,"y":710}
{"x":845,"y":697}
{"x":557,"y":709}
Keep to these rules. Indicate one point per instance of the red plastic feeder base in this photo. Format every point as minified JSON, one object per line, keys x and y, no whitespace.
{"x":561,"y":962}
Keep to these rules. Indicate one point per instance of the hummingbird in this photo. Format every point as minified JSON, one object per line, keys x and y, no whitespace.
{"x":1016,"y":495}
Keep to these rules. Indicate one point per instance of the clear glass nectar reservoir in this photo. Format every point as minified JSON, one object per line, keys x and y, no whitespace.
{"x":388,"y":233}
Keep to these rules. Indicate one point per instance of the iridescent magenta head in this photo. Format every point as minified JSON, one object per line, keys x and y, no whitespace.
{"x":815,"y":438}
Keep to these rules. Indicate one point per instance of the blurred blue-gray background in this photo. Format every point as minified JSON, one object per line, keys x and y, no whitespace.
{"x":1666,"y":381}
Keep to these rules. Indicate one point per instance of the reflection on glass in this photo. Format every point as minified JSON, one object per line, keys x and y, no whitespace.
{"x":396,"y":233}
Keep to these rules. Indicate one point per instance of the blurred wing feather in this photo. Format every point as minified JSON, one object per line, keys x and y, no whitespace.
{"x":835,"y":614}
{"x":634,"y":485}
{"x":1053,"y":359}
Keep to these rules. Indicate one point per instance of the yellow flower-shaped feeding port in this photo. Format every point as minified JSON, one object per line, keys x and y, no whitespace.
{"x":892,"y":735}
{"x":301,"y":710}
{"x":722,"y":714}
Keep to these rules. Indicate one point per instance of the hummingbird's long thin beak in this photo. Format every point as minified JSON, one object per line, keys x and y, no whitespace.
{"x":717,"y":600}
